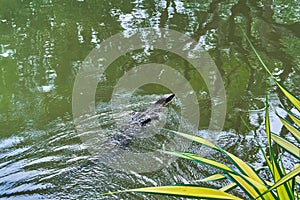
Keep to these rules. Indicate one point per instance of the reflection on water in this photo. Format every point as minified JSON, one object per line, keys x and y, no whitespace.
{"x":42,"y":45}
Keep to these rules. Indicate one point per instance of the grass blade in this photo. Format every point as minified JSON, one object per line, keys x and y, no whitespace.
{"x":257,"y":55}
{"x":292,"y":174}
{"x":288,"y":146}
{"x":215,"y":177}
{"x":240,"y":164}
{"x":187,"y":191}
{"x":293,"y":99}
{"x":229,"y":187}
{"x":244,"y":167}
{"x":293,"y":130}
{"x":294,"y":117}
{"x":195,"y":139}
{"x":200,"y":159}
{"x":250,"y":186}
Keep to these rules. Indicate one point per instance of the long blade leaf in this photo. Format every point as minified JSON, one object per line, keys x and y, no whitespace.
{"x":294,"y":131}
{"x":194,"y":138}
{"x":198,"y":158}
{"x":294,"y":117}
{"x":245,"y":186}
{"x":228,"y":187}
{"x":288,"y":146}
{"x":215,"y":177}
{"x":293,"y":99}
{"x":257,"y":55}
{"x":292,"y":174}
{"x":243,"y":167}
{"x":187,"y":191}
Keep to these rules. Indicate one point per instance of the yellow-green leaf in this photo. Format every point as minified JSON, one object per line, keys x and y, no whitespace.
{"x":295,"y":118}
{"x":245,"y":168}
{"x":250,"y":184}
{"x":295,"y":172}
{"x":228,"y":187}
{"x":253,"y":188}
{"x":290,"y":147}
{"x":257,"y":55}
{"x":195,"y":139}
{"x":238,"y":162}
{"x":178,"y":154}
{"x":198,"y":158}
{"x":215,"y":177}
{"x":282,"y":190}
{"x":294,"y":131}
{"x":187,"y":191}
{"x":297,"y":177}
{"x":294,"y":100}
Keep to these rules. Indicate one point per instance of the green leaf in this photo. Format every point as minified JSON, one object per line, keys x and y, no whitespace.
{"x":294,"y":117}
{"x":257,"y":55}
{"x":293,"y":99}
{"x":198,"y":158}
{"x":292,"y":174}
{"x":243,"y":167}
{"x":187,"y":191}
{"x":228,"y":187}
{"x":288,"y":146}
{"x":195,"y":139}
{"x":294,"y":131}
{"x":252,"y":187}
{"x":284,"y":191}
{"x":215,"y":177}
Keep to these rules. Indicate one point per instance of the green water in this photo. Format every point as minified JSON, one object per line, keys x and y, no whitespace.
{"x":42,"y":47}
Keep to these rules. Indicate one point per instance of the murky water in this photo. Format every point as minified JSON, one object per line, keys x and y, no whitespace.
{"x":43,"y":152}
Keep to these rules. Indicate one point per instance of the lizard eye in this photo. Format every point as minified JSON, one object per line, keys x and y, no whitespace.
{"x":145,"y":121}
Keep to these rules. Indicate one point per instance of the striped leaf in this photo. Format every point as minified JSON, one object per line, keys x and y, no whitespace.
{"x":284,"y":191}
{"x":292,"y":174}
{"x":293,"y":99}
{"x":297,"y":177}
{"x":187,"y":191}
{"x":242,"y":166}
{"x":215,"y":177}
{"x":200,"y":159}
{"x":251,"y":187}
{"x":288,"y":146}
{"x":195,"y":139}
{"x":294,"y":117}
{"x":229,"y":187}
{"x":294,"y":131}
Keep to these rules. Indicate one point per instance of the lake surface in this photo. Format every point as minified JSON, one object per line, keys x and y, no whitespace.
{"x":58,"y":108}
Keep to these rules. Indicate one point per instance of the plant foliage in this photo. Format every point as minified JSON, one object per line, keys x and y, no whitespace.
{"x":240,"y":174}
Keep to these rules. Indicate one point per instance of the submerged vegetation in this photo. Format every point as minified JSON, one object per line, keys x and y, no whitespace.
{"x":282,"y":184}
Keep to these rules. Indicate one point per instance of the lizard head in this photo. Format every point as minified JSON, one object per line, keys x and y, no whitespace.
{"x":165,"y":99}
